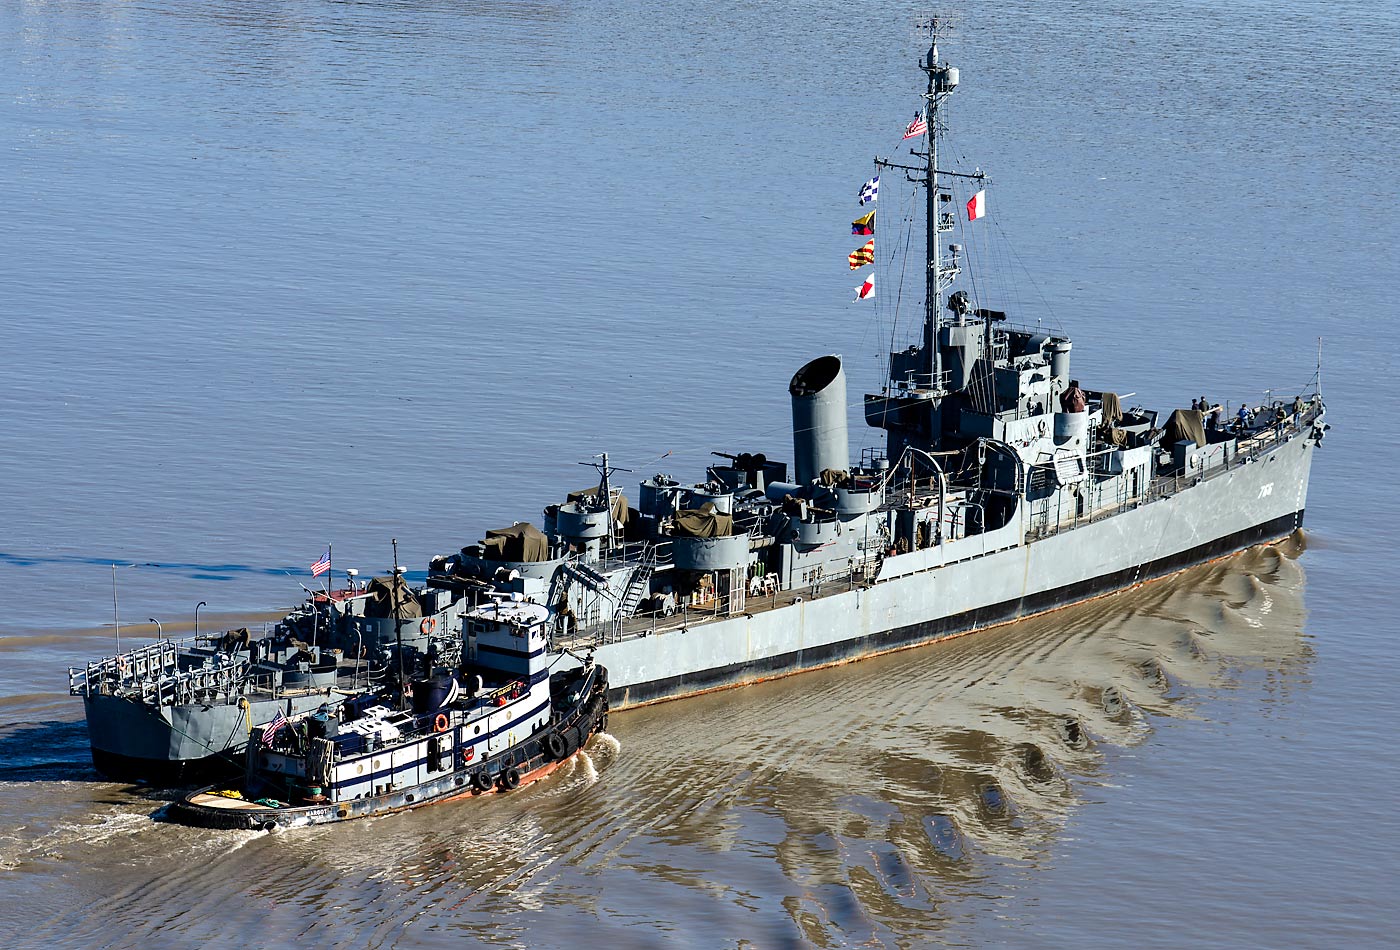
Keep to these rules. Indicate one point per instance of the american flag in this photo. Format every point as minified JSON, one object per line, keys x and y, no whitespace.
{"x":323,"y":565}
{"x":917,"y":127}
{"x":272,"y":728}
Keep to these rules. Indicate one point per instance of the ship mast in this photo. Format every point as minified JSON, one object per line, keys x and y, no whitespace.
{"x":938,"y":276}
{"x":933,"y":288}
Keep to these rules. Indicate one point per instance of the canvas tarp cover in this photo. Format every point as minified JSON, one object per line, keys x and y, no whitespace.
{"x":384,"y":592}
{"x":1112,"y":409}
{"x":619,"y":502}
{"x":833,"y":478}
{"x":519,"y":542}
{"x":1119,"y":438}
{"x":1184,"y":424}
{"x":703,"y":522}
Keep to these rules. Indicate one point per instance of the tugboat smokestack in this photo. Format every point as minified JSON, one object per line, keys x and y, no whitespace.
{"x":819,"y":418}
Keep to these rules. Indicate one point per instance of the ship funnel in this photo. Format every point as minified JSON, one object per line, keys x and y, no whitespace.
{"x":819,"y":419}
{"x":1059,"y":360}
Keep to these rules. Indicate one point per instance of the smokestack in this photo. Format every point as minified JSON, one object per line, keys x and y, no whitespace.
{"x":1059,"y":360}
{"x":819,"y":418}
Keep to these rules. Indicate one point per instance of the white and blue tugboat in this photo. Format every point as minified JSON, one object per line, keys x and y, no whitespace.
{"x":496,"y":722}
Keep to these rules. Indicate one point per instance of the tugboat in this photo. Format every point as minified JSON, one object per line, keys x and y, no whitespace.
{"x":494,"y":724}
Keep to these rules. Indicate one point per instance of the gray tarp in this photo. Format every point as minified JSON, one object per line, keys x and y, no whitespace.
{"x":1184,"y":424}
{"x":384,"y":592}
{"x":520,"y":542}
{"x":619,"y":502}
{"x":703,"y":522}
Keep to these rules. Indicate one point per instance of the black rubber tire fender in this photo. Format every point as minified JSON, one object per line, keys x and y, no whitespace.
{"x":481,"y":781}
{"x":510,"y":778}
{"x":556,"y":746}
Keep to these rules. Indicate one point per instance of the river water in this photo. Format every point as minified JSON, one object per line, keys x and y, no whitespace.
{"x":284,"y":274}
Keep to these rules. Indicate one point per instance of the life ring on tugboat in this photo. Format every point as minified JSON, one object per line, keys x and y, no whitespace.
{"x":555,"y":745}
{"x":441,"y":723}
{"x":428,"y":625}
{"x":468,"y":754}
{"x":510,"y":778}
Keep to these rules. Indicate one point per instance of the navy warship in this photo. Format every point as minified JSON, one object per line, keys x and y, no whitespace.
{"x":1004,"y":490}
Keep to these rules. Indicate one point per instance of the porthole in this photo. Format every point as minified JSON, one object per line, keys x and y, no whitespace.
{"x":360,"y":769}
{"x":478,"y":731}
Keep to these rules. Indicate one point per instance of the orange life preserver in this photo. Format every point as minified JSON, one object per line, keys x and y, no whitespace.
{"x":440,"y":724}
{"x":428,"y":625}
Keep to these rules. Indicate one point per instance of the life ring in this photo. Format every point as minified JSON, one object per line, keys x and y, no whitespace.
{"x":555,"y":745}
{"x":428,"y":625}
{"x":510,"y":778}
{"x":468,"y":754}
{"x":121,"y":665}
{"x":441,"y":723}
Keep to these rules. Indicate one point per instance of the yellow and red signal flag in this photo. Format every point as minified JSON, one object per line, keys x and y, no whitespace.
{"x":863,"y":255}
{"x":864,"y":225}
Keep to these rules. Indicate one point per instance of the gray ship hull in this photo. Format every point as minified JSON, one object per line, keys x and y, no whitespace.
{"x":972,"y":583}
{"x":135,"y":742}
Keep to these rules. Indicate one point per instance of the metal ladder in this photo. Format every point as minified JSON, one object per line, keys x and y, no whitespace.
{"x":637,"y":587}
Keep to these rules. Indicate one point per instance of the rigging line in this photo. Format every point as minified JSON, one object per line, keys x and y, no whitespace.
{"x":904,"y":266}
{"x":972,"y":254}
{"x":1054,"y":316}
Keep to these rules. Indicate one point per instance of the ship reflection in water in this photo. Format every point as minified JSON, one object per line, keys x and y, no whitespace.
{"x":887,"y":800}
